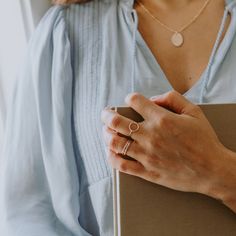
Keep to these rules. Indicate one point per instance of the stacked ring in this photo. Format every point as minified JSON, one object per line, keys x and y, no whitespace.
{"x":126,"y":147}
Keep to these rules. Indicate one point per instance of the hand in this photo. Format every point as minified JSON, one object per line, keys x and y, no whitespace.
{"x":176,"y":148}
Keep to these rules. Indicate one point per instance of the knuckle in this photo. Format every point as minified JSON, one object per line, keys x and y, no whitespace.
{"x":164,"y":121}
{"x":115,"y":121}
{"x":113,"y":143}
{"x":155,"y":176}
{"x":156,"y":142}
{"x":123,"y":167}
{"x":135,"y":150}
{"x":168,"y":125}
{"x":152,"y":160}
{"x":132,"y":98}
{"x":196,"y":110}
{"x":171,"y":95}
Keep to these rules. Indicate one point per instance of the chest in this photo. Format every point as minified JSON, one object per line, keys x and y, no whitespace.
{"x":183,"y":66}
{"x":102,"y":73}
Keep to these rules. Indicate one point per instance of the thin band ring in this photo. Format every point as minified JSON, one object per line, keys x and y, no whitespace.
{"x":126,"y":147}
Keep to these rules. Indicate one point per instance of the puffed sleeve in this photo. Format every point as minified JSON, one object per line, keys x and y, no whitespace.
{"x":39,"y":185}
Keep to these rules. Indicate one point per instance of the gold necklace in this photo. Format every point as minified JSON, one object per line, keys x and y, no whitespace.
{"x":177,"y":38}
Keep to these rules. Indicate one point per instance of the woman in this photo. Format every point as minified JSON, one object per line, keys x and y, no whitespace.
{"x":55,"y":177}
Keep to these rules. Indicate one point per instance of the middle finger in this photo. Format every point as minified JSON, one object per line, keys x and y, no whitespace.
{"x":117,"y":143}
{"x":120,"y":123}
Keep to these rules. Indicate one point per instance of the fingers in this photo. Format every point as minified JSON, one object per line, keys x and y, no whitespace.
{"x":117,"y":143}
{"x":119,"y":123}
{"x":144,"y":106}
{"x":177,"y":103}
{"x":125,"y":166}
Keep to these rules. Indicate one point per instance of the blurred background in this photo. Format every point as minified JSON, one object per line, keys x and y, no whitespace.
{"x":18,"y":19}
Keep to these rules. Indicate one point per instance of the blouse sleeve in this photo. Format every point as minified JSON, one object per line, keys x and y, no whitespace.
{"x":39,"y":185}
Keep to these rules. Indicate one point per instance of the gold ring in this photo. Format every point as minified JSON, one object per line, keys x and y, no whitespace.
{"x":126,"y":147}
{"x":133,"y":127}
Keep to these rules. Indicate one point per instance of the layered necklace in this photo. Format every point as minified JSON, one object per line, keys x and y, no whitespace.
{"x":177,"y":38}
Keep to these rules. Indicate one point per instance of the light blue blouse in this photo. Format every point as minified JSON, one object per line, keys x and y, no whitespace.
{"x":54,"y":178}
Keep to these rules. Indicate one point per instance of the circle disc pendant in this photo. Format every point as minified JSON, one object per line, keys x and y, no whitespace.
{"x":177,"y":39}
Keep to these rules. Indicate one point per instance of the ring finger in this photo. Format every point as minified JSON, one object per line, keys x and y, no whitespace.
{"x":117,"y":144}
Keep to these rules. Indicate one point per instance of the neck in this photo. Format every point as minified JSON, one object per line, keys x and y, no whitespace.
{"x":164,"y":4}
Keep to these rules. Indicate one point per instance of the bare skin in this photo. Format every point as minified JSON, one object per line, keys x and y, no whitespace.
{"x":190,"y":60}
{"x":178,"y":149}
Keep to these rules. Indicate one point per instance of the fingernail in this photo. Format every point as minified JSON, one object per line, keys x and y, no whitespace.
{"x":154,"y":98}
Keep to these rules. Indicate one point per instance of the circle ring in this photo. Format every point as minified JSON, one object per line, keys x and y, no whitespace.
{"x":133,"y":129}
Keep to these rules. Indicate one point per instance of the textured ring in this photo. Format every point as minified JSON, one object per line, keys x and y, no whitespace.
{"x":126,"y":147}
{"x":133,"y":127}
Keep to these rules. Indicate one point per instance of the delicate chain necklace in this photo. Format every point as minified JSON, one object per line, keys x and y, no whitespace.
{"x":177,"y":38}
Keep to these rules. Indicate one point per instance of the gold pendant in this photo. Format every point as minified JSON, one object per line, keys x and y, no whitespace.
{"x":177,"y":39}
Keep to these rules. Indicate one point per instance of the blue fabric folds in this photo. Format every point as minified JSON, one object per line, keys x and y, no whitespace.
{"x":39,"y":181}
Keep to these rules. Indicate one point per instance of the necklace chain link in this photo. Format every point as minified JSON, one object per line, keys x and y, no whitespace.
{"x":169,"y":28}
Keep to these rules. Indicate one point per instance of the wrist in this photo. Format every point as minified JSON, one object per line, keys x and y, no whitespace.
{"x":222,"y":184}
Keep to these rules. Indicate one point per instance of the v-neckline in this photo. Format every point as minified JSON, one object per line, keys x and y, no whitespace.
{"x":150,"y":56}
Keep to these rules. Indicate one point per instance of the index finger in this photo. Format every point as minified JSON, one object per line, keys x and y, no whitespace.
{"x":144,"y":106}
